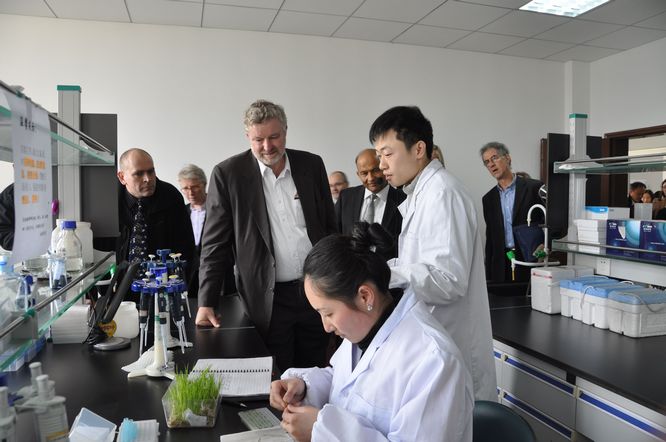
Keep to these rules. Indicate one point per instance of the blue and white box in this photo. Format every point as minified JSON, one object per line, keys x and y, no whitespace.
{"x":605,"y":212}
{"x":653,"y":237}
{"x":623,"y":233}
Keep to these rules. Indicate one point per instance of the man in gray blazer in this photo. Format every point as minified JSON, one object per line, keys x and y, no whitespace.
{"x":374,"y":201}
{"x":266,"y":207}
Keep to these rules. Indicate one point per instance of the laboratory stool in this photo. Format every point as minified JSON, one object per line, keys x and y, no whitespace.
{"x":494,"y":422}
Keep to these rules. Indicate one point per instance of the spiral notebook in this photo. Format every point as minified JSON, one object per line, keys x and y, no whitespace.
{"x":240,"y":377}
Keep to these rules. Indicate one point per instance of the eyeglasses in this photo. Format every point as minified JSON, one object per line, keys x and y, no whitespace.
{"x":492,"y":160}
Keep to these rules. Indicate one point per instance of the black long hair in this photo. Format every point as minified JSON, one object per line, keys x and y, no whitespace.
{"x":338,"y":264}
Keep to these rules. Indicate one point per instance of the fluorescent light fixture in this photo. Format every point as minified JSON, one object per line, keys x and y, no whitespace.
{"x":567,"y":8}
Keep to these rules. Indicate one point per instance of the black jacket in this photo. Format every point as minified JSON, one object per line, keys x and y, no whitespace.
{"x":237,"y":228}
{"x":7,"y":217}
{"x":168,"y":222}
{"x":527,"y":194}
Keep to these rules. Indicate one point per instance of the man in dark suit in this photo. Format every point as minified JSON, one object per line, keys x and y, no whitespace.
{"x":192,"y":181}
{"x":373,"y":201}
{"x":266,"y":207}
{"x":167,"y":223}
{"x":505,"y":206}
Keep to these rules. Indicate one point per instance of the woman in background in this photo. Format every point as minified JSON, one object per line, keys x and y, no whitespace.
{"x":648,"y":196}
{"x":397,"y":374}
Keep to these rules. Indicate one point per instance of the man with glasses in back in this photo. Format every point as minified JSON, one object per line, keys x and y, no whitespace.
{"x":505,"y":206}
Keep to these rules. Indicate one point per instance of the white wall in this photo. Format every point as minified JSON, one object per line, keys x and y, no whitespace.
{"x":628,"y":90}
{"x":181,"y":92}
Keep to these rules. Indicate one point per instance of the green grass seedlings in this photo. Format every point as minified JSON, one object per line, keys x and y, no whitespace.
{"x":198,"y":394}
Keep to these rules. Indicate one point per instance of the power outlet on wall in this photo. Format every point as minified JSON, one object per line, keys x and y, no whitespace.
{"x":603,"y":266}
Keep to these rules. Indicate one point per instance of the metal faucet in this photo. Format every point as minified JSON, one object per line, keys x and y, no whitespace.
{"x":545,"y":229}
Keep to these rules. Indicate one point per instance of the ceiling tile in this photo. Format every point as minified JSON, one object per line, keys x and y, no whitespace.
{"x":398,"y":10}
{"x":578,"y":31}
{"x":656,"y":22}
{"x":626,"y":12}
{"x":513,"y":4}
{"x":161,"y":12}
{"x":35,"y":8}
{"x":267,"y":4}
{"x":628,"y":38}
{"x":366,"y":29}
{"x":102,"y":10}
{"x":232,"y":17}
{"x":430,"y":36}
{"x":533,"y":48}
{"x":460,"y":15}
{"x":290,"y":22}
{"x":524,"y":23}
{"x":337,"y":7}
{"x":582,"y":53}
{"x":482,"y":42}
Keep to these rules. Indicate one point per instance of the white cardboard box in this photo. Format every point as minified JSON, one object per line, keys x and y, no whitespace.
{"x":604,"y":212}
{"x":545,"y":282}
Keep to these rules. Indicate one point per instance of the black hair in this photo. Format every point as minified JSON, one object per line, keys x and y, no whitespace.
{"x":409,"y":124}
{"x":339,"y":264}
{"x":637,"y":185}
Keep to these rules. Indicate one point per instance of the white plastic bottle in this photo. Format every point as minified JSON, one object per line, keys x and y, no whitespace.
{"x":50,"y":412}
{"x":69,"y":245}
{"x":7,"y":418}
{"x":85,"y":234}
{"x":55,"y":235}
{"x":30,"y":391}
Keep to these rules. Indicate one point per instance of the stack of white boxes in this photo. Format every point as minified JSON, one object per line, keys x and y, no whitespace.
{"x":591,"y":231}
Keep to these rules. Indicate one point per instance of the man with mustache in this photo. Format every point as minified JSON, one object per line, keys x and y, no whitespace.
{"x":374,"y":201}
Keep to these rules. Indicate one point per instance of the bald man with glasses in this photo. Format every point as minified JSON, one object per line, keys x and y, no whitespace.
{"x":505,"y":206}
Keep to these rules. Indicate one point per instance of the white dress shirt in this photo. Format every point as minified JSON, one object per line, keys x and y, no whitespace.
{"x":380,"y":204}
{"x":197,"y":216}
{"x":291,"y":243}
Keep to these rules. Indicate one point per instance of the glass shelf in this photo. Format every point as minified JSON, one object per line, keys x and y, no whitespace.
{"x":50,"y":306}
{"x":608,"y":165}
{"x":79,"y":154}
{"x":583,"y":248}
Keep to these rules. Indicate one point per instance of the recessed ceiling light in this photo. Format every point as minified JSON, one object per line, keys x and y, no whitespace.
{"x":567,"y":8}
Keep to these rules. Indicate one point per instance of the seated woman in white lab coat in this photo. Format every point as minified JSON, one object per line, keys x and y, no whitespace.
{"x":397,"y":374}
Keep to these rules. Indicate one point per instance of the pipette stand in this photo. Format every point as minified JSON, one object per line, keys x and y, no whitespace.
{"x":160,"y":366}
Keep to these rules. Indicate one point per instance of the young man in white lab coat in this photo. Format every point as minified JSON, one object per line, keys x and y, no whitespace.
{"x":440,"y":254}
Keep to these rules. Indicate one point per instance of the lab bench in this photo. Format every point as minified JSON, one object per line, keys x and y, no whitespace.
{"x":94,"y":379}
{"x":572,"y":381}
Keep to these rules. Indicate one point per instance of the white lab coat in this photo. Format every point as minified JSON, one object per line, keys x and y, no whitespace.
{"x":411,"y":384}
{"x":440,"y":256}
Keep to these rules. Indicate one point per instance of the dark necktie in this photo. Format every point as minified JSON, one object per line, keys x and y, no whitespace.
{"x":139,"y":237}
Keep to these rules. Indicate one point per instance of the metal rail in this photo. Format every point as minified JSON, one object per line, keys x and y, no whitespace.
{"x":86,"y":138}
{"x":18,"y":321}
